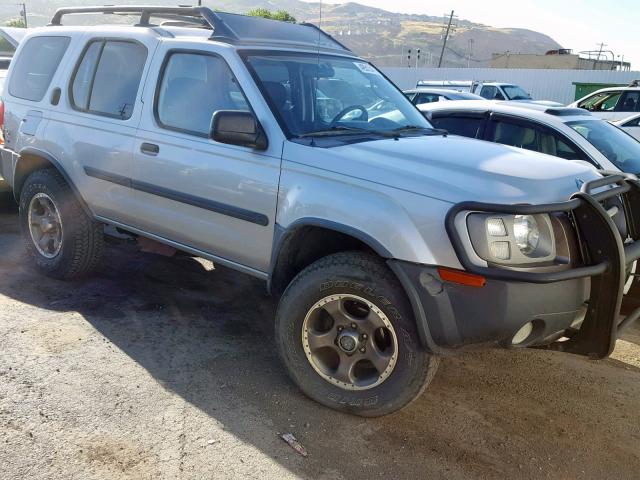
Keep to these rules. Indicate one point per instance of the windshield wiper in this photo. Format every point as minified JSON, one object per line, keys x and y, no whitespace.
{"x":342,"y":130}
{"x":423,"y":130}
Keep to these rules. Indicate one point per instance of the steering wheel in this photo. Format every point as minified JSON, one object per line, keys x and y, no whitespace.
{"x":364,"y":116}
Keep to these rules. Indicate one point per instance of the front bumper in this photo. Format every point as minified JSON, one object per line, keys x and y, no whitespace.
{"x":581,"y":303}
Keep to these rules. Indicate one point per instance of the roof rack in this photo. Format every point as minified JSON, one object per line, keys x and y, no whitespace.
{"x":227,"y":27}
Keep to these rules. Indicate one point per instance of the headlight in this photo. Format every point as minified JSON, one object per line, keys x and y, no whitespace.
{"x":512,"y":240}
{"x":526,"y":233}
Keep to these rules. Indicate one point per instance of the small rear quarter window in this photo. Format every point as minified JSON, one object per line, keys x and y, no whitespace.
{"x":35,"y":67}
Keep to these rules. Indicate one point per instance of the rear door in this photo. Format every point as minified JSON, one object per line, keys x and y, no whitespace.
{"x":214,"y":198}
{"x":94,"y":122}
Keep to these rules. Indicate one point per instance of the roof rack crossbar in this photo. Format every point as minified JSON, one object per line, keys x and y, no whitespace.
{"x":204,"y":14}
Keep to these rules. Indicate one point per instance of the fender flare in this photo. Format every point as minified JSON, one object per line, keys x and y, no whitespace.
{"x":36,"y":152}
{"x":281,"y":235}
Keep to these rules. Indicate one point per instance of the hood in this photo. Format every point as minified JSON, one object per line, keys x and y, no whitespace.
{"x":453,"y":169}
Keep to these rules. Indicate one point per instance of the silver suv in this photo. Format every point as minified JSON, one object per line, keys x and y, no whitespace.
{"x":260,"y":145}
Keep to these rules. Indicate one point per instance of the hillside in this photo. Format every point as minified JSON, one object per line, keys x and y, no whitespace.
{"x":381,"y":36}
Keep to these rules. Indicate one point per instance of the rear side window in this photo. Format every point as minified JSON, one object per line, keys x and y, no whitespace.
{"x":35,"y":66}
{"x":194,"y":86}
{"x":108,"y":77}
{"x":459,"y":125}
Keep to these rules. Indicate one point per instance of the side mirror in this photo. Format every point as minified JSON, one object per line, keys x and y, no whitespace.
{"x":238,"y":128}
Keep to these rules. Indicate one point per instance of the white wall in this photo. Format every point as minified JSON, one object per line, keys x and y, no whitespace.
{"x":554,"y":85}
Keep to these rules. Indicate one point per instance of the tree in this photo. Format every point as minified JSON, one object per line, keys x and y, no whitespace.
{"x":281,"y":15}
{"x":16,"y":23}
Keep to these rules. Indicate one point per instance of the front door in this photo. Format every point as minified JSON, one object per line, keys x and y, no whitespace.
{"x":216,"y":198}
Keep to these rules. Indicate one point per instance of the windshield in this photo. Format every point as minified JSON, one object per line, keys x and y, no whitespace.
{"x":514,"y":92}
{"x":620,"y":148}
{"x":318,"y":94}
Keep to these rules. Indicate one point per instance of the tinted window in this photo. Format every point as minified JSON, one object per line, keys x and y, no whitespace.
{"x":632,"y":123}
{"x":426,"y":98}
{"x":629,"y":103}
{"x":464,"y":126}
{"x":536,"y":138}
{"x":193,"y":88}
{"x":35,"y":66}
{"x":108,"y":78}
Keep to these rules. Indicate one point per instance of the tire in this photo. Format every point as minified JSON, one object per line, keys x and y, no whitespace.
{"x":363,"y":280}
{"x":81,"y":238}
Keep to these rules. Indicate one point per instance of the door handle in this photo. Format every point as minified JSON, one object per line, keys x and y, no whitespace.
{"x":150,"y":149}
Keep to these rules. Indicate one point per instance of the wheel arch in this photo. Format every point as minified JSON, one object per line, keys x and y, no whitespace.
{"x":32,"y":159}
{"x":309,"y":239}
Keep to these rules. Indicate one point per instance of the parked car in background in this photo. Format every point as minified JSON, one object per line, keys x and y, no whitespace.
{"x":487,"y":90}
{"x":456,"y":85}
{"x":568,"y":133}
{"x":614,"y":103}
{"x":9,"y":40}
{"x":631,"y":125}
{"x":388,"y":243}
{"x":430,"y":95}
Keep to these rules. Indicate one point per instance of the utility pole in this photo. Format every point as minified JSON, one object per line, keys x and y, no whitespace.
{"x":595,"y":62}
{"x":470,"y":52}
{"x":446,"y":37}
{"x":24,"y":15}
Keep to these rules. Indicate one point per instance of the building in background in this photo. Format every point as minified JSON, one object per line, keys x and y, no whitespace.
{"x":561,"y":59}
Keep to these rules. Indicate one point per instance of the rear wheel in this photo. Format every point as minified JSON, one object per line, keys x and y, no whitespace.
{"x":348,"y":338}
{"x":61,"y":238}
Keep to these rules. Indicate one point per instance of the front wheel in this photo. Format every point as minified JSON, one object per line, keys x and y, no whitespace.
{"x":347,"y":336}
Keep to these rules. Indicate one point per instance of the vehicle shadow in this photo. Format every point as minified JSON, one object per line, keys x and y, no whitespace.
{"x":206,"y":334}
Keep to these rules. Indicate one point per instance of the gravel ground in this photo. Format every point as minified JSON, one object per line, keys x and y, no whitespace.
{"x":159,"y":368}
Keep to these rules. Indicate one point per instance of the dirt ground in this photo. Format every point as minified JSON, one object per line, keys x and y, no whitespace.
{"x":158,"y":368}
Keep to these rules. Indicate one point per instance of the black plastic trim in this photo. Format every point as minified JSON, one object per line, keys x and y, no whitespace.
{"x":204,"y":203}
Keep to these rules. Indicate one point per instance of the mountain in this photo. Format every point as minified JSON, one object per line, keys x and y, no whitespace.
{"x":378,"y":35}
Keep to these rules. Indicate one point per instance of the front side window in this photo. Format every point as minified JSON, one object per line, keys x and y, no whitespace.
{"x":601,"y":102}
{"x":108,"y":78}
{"x":533,"y":137}
{"x":491,"y":93}
{"x":194,"y":86}
{"x":459,"y":125}
{"x":35,"y":66}
{"x":315,"y":94}
{"x":426,"y":98}
{"x":620,"y":148}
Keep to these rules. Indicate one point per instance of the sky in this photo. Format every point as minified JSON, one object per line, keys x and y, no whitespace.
{"x":580,"y":25}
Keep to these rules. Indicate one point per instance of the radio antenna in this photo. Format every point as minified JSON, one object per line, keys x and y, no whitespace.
{"x":319,"y":31}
